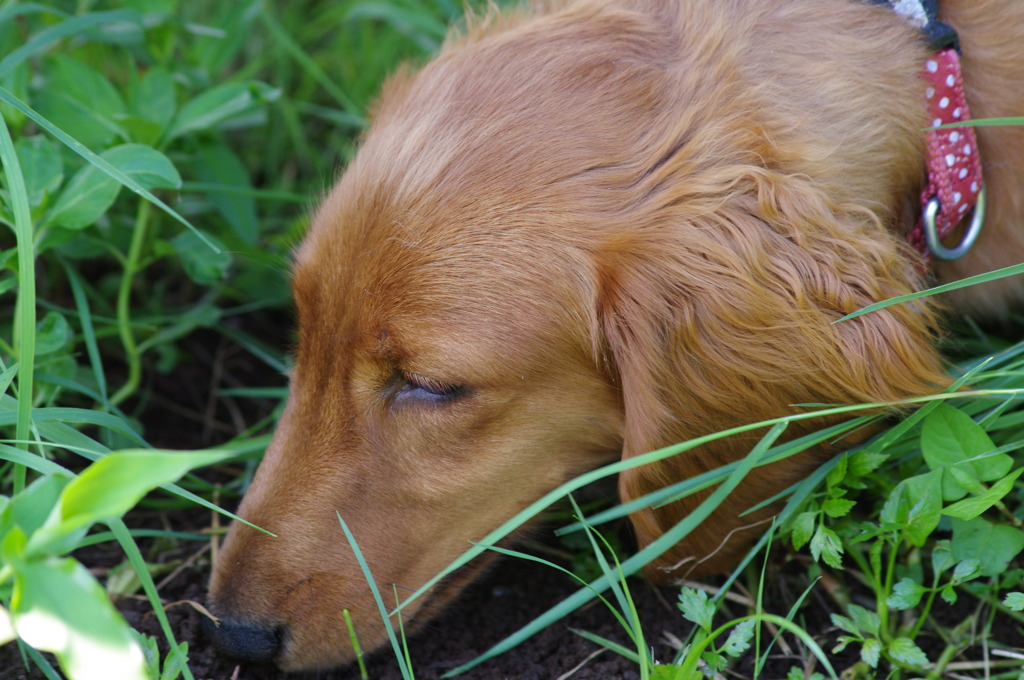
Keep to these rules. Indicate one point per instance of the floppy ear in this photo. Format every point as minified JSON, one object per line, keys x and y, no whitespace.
{"x":723,"y":317}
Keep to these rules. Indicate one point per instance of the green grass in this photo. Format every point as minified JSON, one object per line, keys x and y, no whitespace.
{"x":144,"y":201}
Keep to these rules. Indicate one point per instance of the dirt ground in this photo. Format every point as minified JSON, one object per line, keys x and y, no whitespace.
{"x":507,"y":597}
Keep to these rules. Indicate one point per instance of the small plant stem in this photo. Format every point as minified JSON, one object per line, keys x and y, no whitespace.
{"x":883,"y":595}
{"x":948,"y":653}
{"x":124,"y":297}
{"x":924,"y":615}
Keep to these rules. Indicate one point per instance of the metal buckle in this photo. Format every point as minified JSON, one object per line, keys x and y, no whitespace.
{"x":931,"y":233}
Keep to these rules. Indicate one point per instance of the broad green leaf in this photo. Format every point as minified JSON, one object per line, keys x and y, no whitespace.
{"x":41,"y":165}
{"x":871,"y":651}
{"x":970,"y":508}
{"x":696,"y":607}
{"x":1014,"y":601}
{"x":905,"y":651}
{"x":221,"y":104}
{"x":91,"y":191}
{"x":114,"y":484}
{"x":952,"y":441}
{"x":905,"y":594}
{"x":915,"y":505}
{"x":30,"y":509}
{"x":58,"y":606}
{"x":992,"y":545}
{"x":203,"y":265}
{"x":52,"y":333}
{"x":153,"y":97}
{"x":217,"y":165}
{"x":81,"y":101}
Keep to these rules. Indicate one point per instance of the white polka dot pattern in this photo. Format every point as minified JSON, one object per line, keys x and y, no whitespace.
{"x":954,"y":169}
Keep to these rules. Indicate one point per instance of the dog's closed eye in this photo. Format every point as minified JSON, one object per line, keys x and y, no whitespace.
{"x":415,"y":387}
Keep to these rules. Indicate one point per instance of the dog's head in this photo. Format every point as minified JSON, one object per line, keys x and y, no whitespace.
{"x":533,"y":266}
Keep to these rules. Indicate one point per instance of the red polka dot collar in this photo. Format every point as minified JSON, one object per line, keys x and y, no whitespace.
{"x":954,"y":191}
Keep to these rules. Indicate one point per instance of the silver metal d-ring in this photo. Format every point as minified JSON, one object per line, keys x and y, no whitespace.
{"x":931,"y":233}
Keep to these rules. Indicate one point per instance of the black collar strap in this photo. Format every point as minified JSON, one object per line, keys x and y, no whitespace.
{"x":924,"y":14}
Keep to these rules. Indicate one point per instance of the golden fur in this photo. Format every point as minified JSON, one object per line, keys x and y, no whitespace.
{"x":613,"y":225}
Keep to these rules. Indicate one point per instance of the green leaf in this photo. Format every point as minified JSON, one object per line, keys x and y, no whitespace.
{"x":202,"y":264}
{"x":29,"y":509}
{"x":942,"y":557}
{"x":992,"y":545}
{"x":837,"y":507}
{"x":217,"y":164}
{"x":91,"y":191}
{"x":838,"y":473}
{"x":153,"y":97}
{"x":866,"y":620}
{"x":845,"y":623}
{"x":696,"y":607}
{"x":739,"y":639}
{"x":970,"y":508}
{"x":115,"y":483}
{"x":905,"y":594}
{"x":81,"y":101}
{"x":714,"y":664}
{"x":803,"y":528}
{"x":221,"y":104}
{"x":871,"y":651}
{"x":966,"y":570}
{"x":864,"y":462}
{"x":915,"y":506}
{"x":57,"y":606}
{"x":1014,"y":601}
{"x":52,"y":333}
{"x":825,"y":545}
{"x":40,"y":162}
{"x":952,"y":441}
{"x":905,"y":651}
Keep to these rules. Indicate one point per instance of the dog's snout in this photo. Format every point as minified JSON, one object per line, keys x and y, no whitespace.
{"x":243,"y":641}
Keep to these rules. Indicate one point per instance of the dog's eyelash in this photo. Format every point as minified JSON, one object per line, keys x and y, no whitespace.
{"x":422,"y":387}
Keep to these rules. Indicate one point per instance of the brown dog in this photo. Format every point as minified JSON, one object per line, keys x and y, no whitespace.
{"x":584,"y":233}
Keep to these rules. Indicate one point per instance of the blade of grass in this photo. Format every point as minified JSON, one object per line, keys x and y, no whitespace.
{"x":385,"y":619}
{"x":131,"y":550}
{"x":568,"y":487}
{"x":25,"y":306}
{"x":88,"y":331}
{"x":637,"y":561}
{"x":995,"y":275}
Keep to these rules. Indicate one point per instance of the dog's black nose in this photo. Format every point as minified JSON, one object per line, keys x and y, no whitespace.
{"x":243,"y":641}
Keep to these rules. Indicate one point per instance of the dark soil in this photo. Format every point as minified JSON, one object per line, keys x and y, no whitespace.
{"x":509,"y":596}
